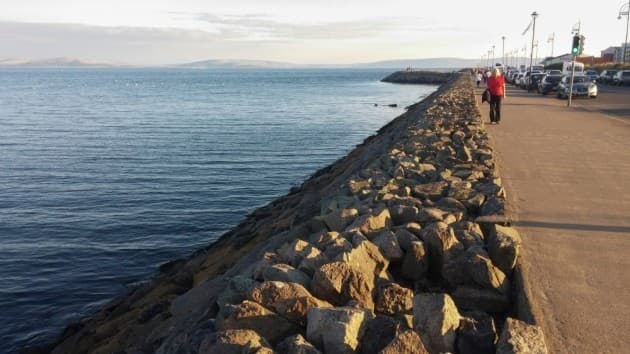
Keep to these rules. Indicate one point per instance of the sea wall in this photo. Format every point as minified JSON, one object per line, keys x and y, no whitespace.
{"x":420,"y":77}
{"x":399,"y":246}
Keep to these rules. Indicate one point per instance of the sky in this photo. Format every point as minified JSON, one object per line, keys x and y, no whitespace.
{"x":154,"y":32}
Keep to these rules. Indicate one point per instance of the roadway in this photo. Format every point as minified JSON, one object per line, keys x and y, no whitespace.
{"x":567,"y":176}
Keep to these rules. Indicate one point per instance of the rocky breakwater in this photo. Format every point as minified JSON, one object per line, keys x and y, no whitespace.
{"x":420,"y":77}
{"x":392,"y":249}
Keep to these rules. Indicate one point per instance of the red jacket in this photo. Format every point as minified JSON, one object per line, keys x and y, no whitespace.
{"x":496,"y":85}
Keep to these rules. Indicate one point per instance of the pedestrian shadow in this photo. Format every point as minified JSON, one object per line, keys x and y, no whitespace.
{"x":578,"y":227}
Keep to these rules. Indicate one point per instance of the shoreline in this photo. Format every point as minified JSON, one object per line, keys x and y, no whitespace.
{"x":179,"y":302}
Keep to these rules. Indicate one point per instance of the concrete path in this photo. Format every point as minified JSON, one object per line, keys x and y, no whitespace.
{"x":567,"y":176}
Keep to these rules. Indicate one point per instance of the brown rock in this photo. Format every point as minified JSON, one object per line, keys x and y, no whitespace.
{"x":405,"y":239}
{"x":339,"y":283}
{"x":476,"y":333}
{"x":366,"y":258}
{"x":233,"y":342}
{"x":407,"y":342}
{"x":475,"y":298}
{"x":473,"y":267}
{"x":336,"y":329}
{"x":442,"y":245}
{"x":388,"y":245}
{"x":416,"y":262}
{"x":304,"y":256}
{"x":250,"y":315}
{"x":290,"y":300}
{"x":435,"y":319}
{"x":504,"y":247}
{"x":432,"y":191}
{"x":286,"y":273}
{"x":339,"y":219}
{"x":373,"y":223}
{"x":519,"y":337}
{"x":296,"y":345}
{"x":392,"y":299}
{"x":402,"y":214}
{"x":380,"y":331}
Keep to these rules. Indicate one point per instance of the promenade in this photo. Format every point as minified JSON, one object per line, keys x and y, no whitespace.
{"x":567,"y":176}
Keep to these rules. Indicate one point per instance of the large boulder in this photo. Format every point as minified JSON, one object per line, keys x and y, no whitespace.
{"x":416,"y":262}
{"x":337,"y":329}
{"x":200,"y":299}
{"x":235,"y":290}
{"x":388,"y":245}
{"x":286,"y":273}
{"x":393,"y":299}
{"x":234,"y":342}
{"x":338,"y":283}
{"x":436,"y":319}
{"x":405,"y":342}
{"x":250,"y":315}
{"x":303,"y":255}
{"x":290,"y":300}
{"x":476,"y":333}
{"x":504,"y":247}
{"x":473,"y":267}
{"x":379,"y":332}
{"x":519,"y":337}
{"x":366,"y":258}
{"x":372,"y":223}
{"x":339,"y":219}
{"x":296,"y":345}
{"x":475,"y":298}
{"x":402,"y":214}
{"x":431,"y":191}
{"x":442,"y":245}
{"x":405,"y":238}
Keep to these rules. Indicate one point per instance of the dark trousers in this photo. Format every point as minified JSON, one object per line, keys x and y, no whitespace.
{"x":495,"y":108}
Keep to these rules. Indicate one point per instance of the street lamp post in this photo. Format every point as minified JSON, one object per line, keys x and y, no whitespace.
{"x":503,"y":52}
{"x":531,"y":55}
{"x":627,"y":14}
{"x":552,"y":39}
{"x":492,"y":56}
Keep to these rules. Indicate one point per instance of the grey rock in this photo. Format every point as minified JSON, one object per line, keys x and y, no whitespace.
{"x":475,"y":298}
{"x":402,"y":214}
{"x":235,"y":291}
{"x":233,"y":342}
{"x":251,"y":315}
{"x":388,"y":245}
{"x":380,"y":331}
{"x":432,"y":191}
{"x":339,"y":219}
{"x":406,"y":238}
{"x":337,"y":329}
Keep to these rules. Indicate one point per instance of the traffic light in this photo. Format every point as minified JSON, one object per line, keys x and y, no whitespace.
{"x":581,"y":50}
{"x":575,"y":48}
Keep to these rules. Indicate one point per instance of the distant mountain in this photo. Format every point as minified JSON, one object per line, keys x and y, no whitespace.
{"x":237,"y":64}
{"x":64,"y":62}
{"x":431,"y":63}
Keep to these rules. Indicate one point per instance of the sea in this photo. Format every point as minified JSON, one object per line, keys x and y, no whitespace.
{"x":107,"y":173}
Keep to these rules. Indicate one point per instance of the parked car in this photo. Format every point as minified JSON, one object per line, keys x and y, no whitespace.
{"x":533,"y":80}
{"x":606,"y":76}
{"x":582,"y":86}
{"x":549,"y":83}
{"x":592,"y":75}
{"x":622,"y":77}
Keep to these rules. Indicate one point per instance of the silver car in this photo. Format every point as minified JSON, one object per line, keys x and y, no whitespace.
{"x":582,"y":86}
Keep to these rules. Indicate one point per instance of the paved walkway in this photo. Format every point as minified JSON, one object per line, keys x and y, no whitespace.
{"x":567,"y":176}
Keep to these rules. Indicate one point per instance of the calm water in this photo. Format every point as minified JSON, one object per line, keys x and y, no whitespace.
{"x":105,"y":174}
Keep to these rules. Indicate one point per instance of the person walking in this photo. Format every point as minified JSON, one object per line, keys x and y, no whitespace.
{"x":496,"y":85}
{"x":479,"y":77}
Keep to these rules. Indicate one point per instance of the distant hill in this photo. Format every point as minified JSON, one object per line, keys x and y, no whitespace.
{"x":432,"y":63}
{"x":51,"y":62}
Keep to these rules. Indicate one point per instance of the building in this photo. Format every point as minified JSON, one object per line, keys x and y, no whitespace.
{"x":617,"y":53}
